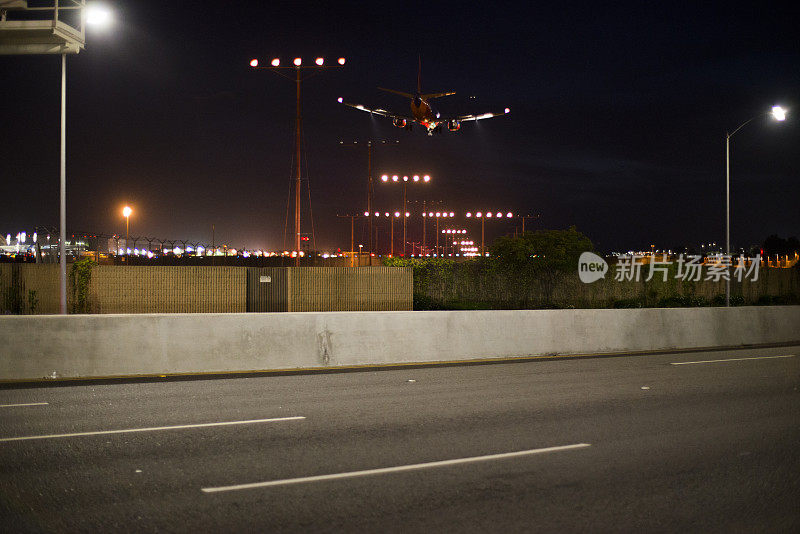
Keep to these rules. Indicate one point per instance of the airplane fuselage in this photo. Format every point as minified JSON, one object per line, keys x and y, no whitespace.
{"x":424,"y":114}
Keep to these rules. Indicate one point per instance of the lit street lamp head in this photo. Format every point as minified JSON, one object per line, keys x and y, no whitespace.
{"x":98,"y":15}
{"x":126,"y":211}
{"x":778,"y":113}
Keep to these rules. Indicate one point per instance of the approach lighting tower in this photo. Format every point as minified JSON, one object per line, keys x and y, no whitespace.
{"x":298,"y":68}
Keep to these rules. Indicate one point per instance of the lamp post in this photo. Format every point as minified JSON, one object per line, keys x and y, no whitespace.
{"x":126,"y":212}
{"x":63,"y":39}
{"x":779,"y":114}
{"x":405,"y":179}
{"x":298,"y":67}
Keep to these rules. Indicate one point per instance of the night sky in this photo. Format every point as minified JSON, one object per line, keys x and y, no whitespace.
{"x":617,"y":125}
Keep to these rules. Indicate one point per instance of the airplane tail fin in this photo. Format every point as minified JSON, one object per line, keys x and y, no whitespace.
{"x":407,"y":95}
{"x":419,"y":74}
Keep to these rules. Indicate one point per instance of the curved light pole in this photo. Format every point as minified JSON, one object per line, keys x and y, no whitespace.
{"x":779,"y":114}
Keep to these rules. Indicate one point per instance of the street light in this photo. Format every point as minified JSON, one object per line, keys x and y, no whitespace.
{"x":779,"y":114}
{"x":61,"y":38}
{"x":126,"y":212}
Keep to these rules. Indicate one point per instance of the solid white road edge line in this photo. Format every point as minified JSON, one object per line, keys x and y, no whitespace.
{"x":735,"y":359}
{"x":395,"y":469}
{"x":23,"y":404}
{"x":152,"y":429}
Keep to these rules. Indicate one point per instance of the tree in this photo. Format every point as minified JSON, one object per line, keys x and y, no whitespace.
{"x":543,"y":256}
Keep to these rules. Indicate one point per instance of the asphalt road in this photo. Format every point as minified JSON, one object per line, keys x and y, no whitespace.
{"x":605,"y":444}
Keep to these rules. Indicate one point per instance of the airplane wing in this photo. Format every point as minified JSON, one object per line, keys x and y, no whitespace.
{"x":377,"y":111}
{"x":465,"y":118}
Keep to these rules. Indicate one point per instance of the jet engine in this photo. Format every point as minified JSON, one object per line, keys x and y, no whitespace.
{"x":400,"y":123}
{"x":453,"y":126}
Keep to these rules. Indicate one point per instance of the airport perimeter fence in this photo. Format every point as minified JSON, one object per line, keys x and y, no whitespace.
{"x":440,"y":285}
{"x":34,"y":289}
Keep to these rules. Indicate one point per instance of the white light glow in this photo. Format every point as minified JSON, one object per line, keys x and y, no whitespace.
{"x":276,"y":62}
{"x":469,"y":214}
{"x":416,"y":177}
{"x":385,"y":178}
{"x":98,"y":15}
{"x":426,"y":178}
{"x":340,"y":99}
{"x":507,"y":110}
{"x":126,"y":211}
{"x":298,"y":62}
{"x":395,"y":178}
{"x":341,"y":61}
{"x":254,"y":62}
{"x":778,"y":113}
{"x":319,"y":61}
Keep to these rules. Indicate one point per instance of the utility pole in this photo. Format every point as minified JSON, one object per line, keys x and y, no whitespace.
{"x":352,"y":225}
{"x":298,"y":67}
{"x":523,"y":217}
{"x":369,"y":144}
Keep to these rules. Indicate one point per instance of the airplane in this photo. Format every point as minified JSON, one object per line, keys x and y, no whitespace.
{"x":422,"y":112}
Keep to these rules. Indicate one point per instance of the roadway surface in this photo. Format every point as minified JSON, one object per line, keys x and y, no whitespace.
{"x":604,"y":444}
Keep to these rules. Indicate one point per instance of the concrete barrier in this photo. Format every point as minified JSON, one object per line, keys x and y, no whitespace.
{"x":36,"y":347}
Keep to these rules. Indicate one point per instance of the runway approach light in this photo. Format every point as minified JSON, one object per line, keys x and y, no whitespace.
{"x":298,"y":62}
{"x":254,"y":63}
{"x":778,"y":113}
{"x":276,"y":62}
{"x":319,"y":61}
{"x":341,"y":61}
{"x":385,"y":178}
{"x":426,"y":178}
